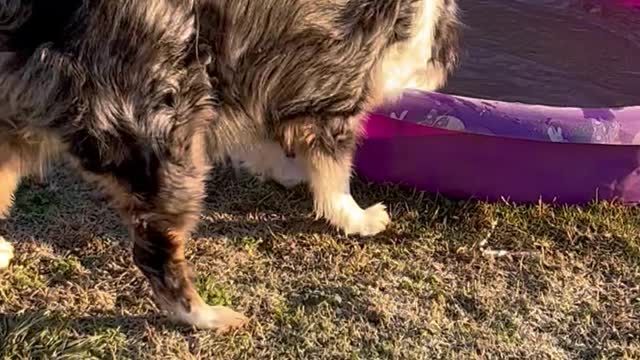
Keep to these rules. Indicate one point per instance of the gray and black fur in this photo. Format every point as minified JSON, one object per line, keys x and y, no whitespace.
{"x":116,"y":87}
{"x":300,"y":75}
{"x":137,"y":93}
{"x":296,"y":65}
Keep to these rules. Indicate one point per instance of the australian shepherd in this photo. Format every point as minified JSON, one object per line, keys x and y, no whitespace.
{"x":141,"y":96}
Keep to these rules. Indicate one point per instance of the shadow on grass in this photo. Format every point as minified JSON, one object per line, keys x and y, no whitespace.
{"x":14,"y":325}
{"x":306,"y":275}
{"x":66,"y":213}
{"x":345,"y":301}
{"x":46,"y":334}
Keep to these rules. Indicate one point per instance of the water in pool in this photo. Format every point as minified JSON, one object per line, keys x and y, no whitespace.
{"x":555,"y":52}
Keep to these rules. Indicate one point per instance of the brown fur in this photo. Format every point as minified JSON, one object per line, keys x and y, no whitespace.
{"x":124,"y":91}
{"x":115,"y":87}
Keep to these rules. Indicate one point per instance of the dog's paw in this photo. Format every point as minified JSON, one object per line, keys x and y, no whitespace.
{"x":371,"y":221}
{"x":6,"y":253}
{"x":218,"y":318}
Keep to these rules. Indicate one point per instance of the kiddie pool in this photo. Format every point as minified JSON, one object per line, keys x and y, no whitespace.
{"x":465,"y":148}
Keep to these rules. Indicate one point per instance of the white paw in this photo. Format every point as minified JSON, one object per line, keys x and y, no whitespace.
{"x":368,"y":222}
{"x":6,"y":253}
{"x":218,"y":318}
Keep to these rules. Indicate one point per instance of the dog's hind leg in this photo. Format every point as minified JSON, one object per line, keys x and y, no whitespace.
{"x":330,"y":184}
{"x":6,"y":253}
{"x":326,"y":152}
{"x":9,"y":179}
{"x":24,"y":154}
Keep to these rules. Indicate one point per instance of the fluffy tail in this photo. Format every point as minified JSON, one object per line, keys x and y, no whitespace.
{"x":395,"y":20}
{"x":446,"y":41}
{"x":376,"y":18}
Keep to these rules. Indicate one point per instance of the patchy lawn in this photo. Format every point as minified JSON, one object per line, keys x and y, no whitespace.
{"x":448,"y":280}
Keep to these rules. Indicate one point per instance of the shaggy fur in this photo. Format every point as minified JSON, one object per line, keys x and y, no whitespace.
{"x":121,"y":89}
{"x":110,"y":85}
{"x":296,"y":77}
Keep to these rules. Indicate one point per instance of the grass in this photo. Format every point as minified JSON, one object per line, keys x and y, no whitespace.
{"x":448,"y":280}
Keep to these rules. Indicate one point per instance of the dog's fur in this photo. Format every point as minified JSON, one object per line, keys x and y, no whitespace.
{"x":116,"y":86}
{"x":120,"y":88}
{"x":296,"y":77}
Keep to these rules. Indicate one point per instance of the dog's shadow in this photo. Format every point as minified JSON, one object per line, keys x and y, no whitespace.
{"x":65,"y":212}
{"x":65,"y":215}
{"x":68,"y":215}
{"x":46,"y":333}
{"x":19,"y":330}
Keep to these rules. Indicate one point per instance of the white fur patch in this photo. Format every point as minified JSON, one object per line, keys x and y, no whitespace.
{"x":330,"y":184}
{"x":217,"y":318}
{"x":405,"y":64}
{"x":6,"y":253}
{"x":268,"y":160}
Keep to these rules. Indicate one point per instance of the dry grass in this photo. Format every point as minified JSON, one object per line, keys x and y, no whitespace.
{"x":448,"y":280}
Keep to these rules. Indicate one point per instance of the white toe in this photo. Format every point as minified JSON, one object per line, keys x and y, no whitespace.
{"x":375,"y":220}
{"x":217,"y":318}
{"x":369,"y":222}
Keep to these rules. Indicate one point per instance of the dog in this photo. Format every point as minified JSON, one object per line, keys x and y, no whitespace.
{"x":143,"y":96}
{"x":295,"y":79}
{"x":118,"y":88}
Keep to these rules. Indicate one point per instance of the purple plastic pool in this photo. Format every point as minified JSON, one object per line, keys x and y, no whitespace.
{"x":463,"y":147}
{"x":581,"y":56}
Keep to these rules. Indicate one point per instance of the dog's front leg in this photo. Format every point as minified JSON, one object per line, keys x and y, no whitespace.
{"x":158,"y":251}
{"x":160,"y":223}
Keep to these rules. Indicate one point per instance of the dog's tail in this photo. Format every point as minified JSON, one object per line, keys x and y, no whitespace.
{"x":371,"y":20}
{"x":446,"y":41}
